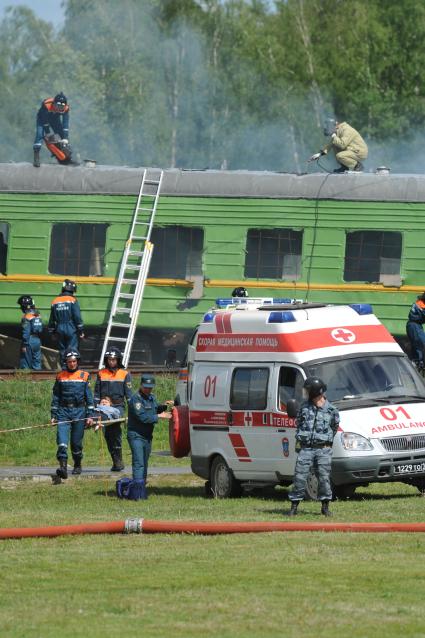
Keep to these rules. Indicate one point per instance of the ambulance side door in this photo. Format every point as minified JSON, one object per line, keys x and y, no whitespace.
{"x":289,"y":381}
{"x":209,"y":400}
{"x":249,"y":419}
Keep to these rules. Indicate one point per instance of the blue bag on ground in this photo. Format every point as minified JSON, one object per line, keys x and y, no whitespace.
{"x":133,"y":489}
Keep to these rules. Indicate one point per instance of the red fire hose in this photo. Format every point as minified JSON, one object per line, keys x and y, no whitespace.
{"x":140,"y":525}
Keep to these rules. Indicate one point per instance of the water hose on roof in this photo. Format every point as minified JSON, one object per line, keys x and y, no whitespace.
{"x":145,"y":526}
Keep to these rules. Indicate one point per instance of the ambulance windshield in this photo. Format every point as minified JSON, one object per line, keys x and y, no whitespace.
{"x":369,"y":377}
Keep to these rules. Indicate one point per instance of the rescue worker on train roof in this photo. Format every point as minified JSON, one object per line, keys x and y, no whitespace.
{"x":415,"y":331}
{"x":317,"y":424}
{"x":65,"y":321}
{"x":32,"y":327}
{"x":113,"y":381}
{"x":53,"y":115}
{"x":347,"y":143}
{"x":72,"y":409}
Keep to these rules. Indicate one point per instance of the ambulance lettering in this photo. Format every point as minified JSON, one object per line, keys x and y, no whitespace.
{"x":390,"y":414}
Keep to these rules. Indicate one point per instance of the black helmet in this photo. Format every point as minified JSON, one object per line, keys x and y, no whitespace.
{"x":69,"y":286}
{"x":113,"y":351}
{"x":240,"y":292}
{"x":60,"y":102}
{"x":70,"y":354}
{"x":314,"y":387}
{"x":147,"y":381}
{"x":329,"y":126}
{"x":26,"y":302}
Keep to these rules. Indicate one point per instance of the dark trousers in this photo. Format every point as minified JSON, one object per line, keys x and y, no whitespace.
{"x":320,"y":459}
{"x":31,"y":358}
{"x":140,"y":452}
{"x":416,"y":335}
{"x":71,"y":423}
{"x":113,"y":434}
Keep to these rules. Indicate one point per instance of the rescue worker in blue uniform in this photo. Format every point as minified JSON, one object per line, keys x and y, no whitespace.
{"x":53,"y":114}
{"x":143,"y":412}
{"x":65,"y":318}
{"x":72,"y":409}
{"x":415,"y":331}
{"x":317,"y":424}
{"x":113,"y":381}
{"x":32,"y":327}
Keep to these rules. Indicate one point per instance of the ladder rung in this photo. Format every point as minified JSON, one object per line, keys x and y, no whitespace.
{"x":136,"y":253}
{"x":136,"y":237}
{"x":132,"y":267}
{"x":117,"y":339}
{"x":126,"y":295}
{"x":129,"y":281}
{"x":127,"y":310}
{"x":144,"y":208}
{"x":116,"y":324}
{"x":151,"y":181}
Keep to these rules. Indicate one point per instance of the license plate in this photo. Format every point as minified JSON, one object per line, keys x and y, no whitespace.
{"x":410,"y":468}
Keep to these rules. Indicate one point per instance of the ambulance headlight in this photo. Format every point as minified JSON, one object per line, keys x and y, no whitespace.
{"x":355,"y":442}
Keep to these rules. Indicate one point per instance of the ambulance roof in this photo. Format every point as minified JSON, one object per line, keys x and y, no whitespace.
{"x":293,"y":332}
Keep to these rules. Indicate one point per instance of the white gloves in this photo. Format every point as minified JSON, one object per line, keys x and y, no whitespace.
{"x":65,"y":142}
{"x":315,"y":157}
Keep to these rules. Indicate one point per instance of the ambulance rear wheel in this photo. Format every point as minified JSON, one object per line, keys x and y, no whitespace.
{"x":223,"y":483}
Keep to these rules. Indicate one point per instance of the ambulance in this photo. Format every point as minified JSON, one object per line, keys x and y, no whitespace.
{"x":241,"y":385}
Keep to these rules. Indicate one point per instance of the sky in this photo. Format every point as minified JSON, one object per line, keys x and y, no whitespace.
{"x":49,"y":10}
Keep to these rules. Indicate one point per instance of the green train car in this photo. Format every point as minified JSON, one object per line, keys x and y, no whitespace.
{"x":320,"y":237}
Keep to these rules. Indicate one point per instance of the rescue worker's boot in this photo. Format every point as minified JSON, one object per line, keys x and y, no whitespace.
{"x":62,"y":470}
{"x":77,"y":466}
{"x":117,"y":462}
{"x":294,"y":508}
{"x":36,"y":161}
{"x":341,"y":169}
{"x":358,"y":167}
{"x":325,"y":509}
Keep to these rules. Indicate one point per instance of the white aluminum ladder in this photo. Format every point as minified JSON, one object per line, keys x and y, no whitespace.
{"x":134,"y":268}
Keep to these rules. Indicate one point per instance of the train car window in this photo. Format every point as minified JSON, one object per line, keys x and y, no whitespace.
{"x":77,"y":249}
{"x":4,"y":241}
{"x":177,"y":253}
{"x":273,"y":253}
{"x":373,"y":256}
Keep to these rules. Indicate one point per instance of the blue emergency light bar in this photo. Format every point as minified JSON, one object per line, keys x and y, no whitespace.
{"x":362,"y":308}
{"x":208,"y":317}
{"x":223,"y":302}
{"x":281,"y":316}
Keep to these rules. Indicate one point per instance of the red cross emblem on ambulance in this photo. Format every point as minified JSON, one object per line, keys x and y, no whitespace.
{"x":247,"y":418}
{"x":343,"y":335}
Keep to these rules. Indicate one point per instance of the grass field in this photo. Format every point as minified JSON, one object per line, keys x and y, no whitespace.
{"x":267,"y":585}
{"x":281,"y":584}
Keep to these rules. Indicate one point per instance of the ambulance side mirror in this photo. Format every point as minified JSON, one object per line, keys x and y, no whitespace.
{"x":292,"y":408}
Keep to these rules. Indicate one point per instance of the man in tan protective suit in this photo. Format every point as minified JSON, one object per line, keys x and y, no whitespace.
{"x":347,"y":143}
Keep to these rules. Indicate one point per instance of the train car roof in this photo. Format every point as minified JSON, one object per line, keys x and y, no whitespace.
{"x":122,"y":180}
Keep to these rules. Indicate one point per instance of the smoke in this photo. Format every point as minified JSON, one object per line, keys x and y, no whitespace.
{"x":144,"y":92}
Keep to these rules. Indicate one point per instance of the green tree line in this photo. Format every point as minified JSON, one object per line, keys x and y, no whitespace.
{"x":237,"y":84}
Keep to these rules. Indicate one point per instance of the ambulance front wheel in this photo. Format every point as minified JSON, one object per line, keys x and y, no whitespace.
{"x":223,"y":483}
